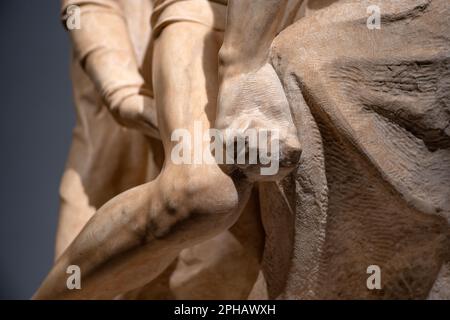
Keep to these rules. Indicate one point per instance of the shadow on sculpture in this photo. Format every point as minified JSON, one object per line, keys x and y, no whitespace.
{"x":372,"y":186}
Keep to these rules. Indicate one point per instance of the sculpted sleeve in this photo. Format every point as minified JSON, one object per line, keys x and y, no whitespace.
{"x":102,"y":45}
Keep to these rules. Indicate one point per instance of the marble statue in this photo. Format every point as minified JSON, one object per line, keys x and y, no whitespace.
{"x":359,"y":124}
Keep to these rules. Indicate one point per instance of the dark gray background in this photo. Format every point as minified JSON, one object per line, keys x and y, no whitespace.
{"x":36,"y":121}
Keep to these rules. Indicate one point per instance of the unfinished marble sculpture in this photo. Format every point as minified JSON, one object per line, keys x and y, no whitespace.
{"x":367,"y":109}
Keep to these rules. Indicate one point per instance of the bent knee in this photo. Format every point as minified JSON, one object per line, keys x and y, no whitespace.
{"x":206,"y":190}
{"x":204,"y":200}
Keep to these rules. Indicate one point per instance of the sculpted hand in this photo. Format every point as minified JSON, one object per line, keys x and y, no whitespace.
{"x":255,"y":102}
{"x":106,"y":53}
{"x":137,"y":112}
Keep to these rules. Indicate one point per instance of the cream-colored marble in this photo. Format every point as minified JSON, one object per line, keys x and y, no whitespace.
{"x":349,"y":192}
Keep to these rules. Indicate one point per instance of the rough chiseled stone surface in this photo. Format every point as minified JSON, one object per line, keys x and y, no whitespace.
{"x":372,"y":108}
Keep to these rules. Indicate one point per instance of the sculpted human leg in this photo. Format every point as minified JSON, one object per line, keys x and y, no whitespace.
{"x":85,"y":188}
{"x":105,"y":159}
{"x":142,"y":230}
{"x":203,"y":272}
{"x":251,"y":96}
{"x":224,"y":267}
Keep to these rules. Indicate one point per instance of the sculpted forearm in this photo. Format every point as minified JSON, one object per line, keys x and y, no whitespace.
{"x":251,"y":28}
{"x":104,"y":49}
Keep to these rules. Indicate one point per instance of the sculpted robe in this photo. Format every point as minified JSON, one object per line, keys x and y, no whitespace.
{"x":373,"y":187}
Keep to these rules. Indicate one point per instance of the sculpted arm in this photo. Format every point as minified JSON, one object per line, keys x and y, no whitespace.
{"x":103,"y":47}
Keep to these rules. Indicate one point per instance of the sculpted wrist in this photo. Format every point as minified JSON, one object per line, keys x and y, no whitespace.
{"x":114,"y":81}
